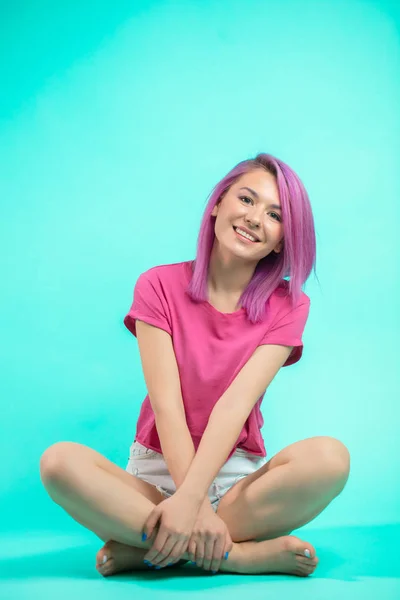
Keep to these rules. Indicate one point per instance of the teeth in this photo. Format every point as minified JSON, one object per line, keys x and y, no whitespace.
{"x":244,"y":234}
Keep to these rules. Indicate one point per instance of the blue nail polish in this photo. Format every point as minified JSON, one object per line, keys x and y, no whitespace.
{"x":226,"y":555}
{"x":144,"y":537}
{"x":158,"y":567}
{"x":214,"y":572}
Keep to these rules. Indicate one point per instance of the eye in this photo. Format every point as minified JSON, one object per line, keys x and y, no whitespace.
{"x":245,"y":198}
{"x":277,"y":216}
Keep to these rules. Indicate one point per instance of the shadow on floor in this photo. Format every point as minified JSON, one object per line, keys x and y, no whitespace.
{"x":345,"y":554}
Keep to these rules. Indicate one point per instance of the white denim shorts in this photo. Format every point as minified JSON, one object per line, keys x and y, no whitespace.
{"x":150,"y":466}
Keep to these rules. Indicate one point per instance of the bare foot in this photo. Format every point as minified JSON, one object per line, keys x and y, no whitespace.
{"x":115,"y":558}
{"x":286,"y":554}
{"x":281,"y":555}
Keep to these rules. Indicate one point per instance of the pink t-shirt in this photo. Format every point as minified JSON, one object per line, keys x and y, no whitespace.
{"x":210,"y":347}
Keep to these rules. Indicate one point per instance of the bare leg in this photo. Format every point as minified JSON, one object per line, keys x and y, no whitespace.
{"x":113,"y":510}
{"x":290,"y":490}
{"x":96,"y":499}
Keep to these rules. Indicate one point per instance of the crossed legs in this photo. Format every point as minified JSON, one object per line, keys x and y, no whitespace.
{"x":287,"y":492}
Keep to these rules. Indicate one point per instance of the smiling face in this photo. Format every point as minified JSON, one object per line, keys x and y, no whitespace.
{"x":252,"y":203}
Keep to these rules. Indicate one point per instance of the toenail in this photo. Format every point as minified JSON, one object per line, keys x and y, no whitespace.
{"x":105,"y":558}
{"x":307,"y":553}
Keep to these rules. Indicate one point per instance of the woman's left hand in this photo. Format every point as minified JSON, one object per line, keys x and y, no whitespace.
{"x":176,"y":517}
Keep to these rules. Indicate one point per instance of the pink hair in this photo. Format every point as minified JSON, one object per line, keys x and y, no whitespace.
{"x":295,"y":261}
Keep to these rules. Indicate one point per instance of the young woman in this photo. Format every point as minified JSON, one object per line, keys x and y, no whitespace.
{"x":212,"y":335}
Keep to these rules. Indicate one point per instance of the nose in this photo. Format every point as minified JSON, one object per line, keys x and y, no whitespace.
{"x":253,"y":218}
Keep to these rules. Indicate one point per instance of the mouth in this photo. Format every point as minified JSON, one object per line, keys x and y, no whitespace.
{"x":254,"y":240}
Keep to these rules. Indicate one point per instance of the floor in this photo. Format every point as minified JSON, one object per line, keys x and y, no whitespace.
{"x":355,"y":562}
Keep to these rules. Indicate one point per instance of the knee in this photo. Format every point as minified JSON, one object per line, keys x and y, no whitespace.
{"x":53,"y":461}
{"x":336,"y":458}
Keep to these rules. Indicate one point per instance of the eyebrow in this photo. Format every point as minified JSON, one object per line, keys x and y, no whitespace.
{"x":277,"y":206}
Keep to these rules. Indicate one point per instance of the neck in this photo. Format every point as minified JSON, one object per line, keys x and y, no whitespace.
{"x":229,"y":276}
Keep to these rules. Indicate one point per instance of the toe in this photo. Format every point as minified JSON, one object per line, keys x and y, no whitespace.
{"x":103,"y":557}
{"x":304,"y":570}
{"x":309,"y":568}
{"x":100,"y":557}
{"x":302,"y":548}
{"x":311,"y":562}
{"x":311,"y":551}
{"x":107,"y":568}
{"x":302,"y":573}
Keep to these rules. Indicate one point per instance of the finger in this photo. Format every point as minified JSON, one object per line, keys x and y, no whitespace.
{"x":192,"y":549}
{"x":176,"y":560}
{"x":168,"y":557}
{"x":208,"y":555}
{"x":164,"y":554}
{"x":180,"y":550}
{"x":173,"y":555}
{"x":157,"y":546}
{"x":228,"y":548}
{"x":218,"y":553}
{"x":151,"y":523}
{"x":200,"y":549}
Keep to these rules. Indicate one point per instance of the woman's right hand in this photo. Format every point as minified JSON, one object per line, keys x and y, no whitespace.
{"x":210,"y":540}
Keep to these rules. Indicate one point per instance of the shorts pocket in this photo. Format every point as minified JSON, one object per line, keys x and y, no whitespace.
{"x":138,"y":451}
{"x":246,"y":454}
{"x":240,"y":451}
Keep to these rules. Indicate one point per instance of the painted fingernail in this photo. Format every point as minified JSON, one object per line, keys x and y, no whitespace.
{"x":226,"y":555}
{"x":144,"y":537}
{"x":192,"y":562}
{"x":158,"y":567}
{"x":214,"y":572}
{"x":307,"y":553}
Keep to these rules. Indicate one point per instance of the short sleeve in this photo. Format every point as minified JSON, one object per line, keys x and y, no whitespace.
{"x":288,"y":330}
{"x":149,"y":304}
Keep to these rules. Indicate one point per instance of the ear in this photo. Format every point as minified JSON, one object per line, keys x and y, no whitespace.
{"x":279,"y":247}
{"x":215,"y":210}
{"x":216,"y":206}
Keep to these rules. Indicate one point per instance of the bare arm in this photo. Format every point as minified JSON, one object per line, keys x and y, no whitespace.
{"x":228,"y":417}
{"x":161,"y":374}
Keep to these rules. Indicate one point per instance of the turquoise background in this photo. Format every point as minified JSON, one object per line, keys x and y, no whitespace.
{"x":116,"y":120}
